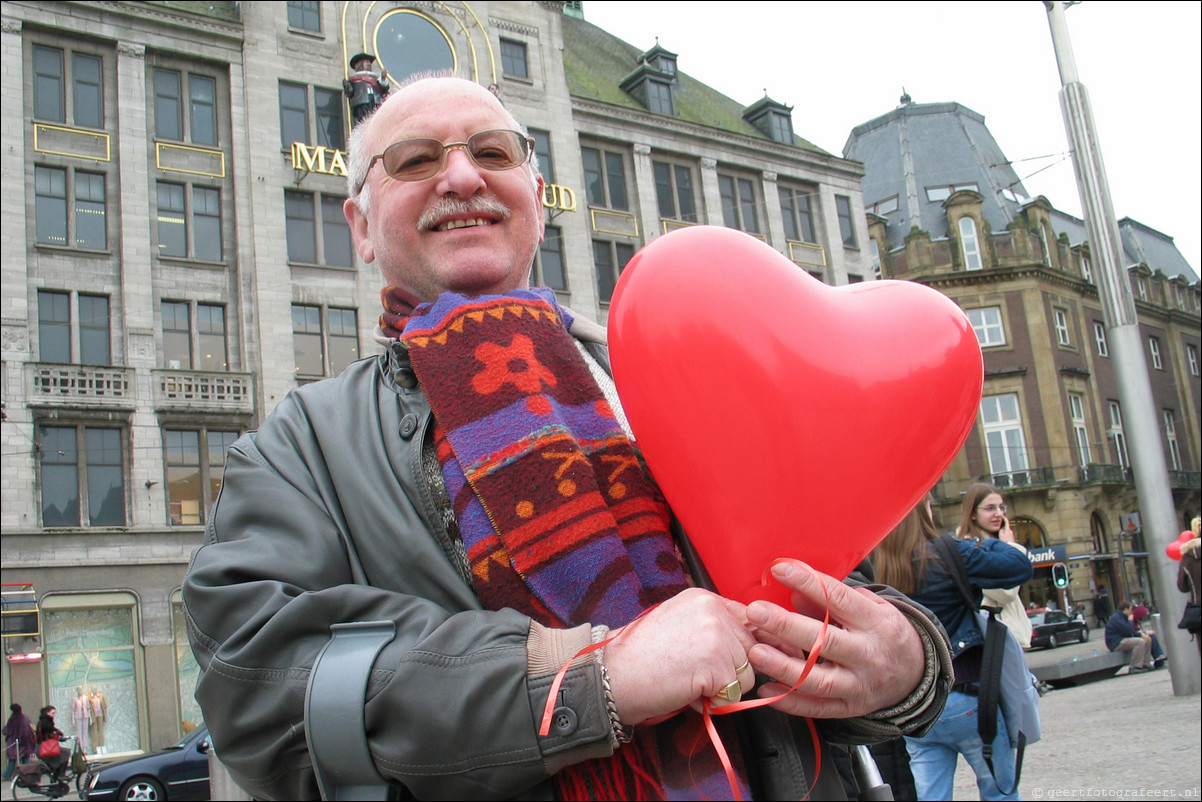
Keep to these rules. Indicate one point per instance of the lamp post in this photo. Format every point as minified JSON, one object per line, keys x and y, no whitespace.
{"x":1122,"y":328}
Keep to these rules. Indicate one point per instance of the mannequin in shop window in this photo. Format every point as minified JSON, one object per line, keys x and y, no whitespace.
{"x":99,"y":714}
{"x":81,"y":715}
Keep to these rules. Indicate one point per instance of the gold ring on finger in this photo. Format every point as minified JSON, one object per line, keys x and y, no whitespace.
{"x":746,"y":665}
{"x":732,"y":691}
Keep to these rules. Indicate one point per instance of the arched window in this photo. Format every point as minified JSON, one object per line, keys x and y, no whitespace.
{"x":1097,"y":532}
{"x":1028,"y":532}
{"x":970,"y":244}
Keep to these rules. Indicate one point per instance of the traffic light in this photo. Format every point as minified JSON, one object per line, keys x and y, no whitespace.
{"x":1060,"y":575}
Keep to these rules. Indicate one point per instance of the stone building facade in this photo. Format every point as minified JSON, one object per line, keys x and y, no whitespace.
{"x":176,"y":261}
{"x":947,"y":210}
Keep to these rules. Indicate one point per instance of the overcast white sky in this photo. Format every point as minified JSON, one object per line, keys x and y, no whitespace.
{"x":840,"y":64}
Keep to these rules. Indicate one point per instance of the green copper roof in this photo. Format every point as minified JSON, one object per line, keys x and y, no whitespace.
{"x":595,"y":62}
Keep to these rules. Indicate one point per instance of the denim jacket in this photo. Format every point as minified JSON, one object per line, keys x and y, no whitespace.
{"x":991,"y":563}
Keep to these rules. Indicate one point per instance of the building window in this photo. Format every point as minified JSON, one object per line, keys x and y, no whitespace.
{"x":1003,"y":429}
{"x":605,"y":178}
{"x":82,"y":225}
{"x":195,"y":460}
{"x":304,"y":15}
{"x":1170,"y":433}
{"x":875,"y":250}
{"x":938,"y":194}
{"x":1060,"y":319}
{"x":1099,"y":336}
{"x":54,"y":328}
{"x":84,"y":105}
{"x":884,"y":207}
{"x":1141,"y":288}
{"x":674,"y":192}
{"x":1116,"y":433}
{"x":738,"y":204}
{"x":1076,"y":406}
{"x":970,"y":244}
{"x":1154,"y":351}
{"x":302,"y":211}
{"x":315,"y":345}
{"x":211,"y":346}
{"x":659,"y":97}
{"x":847,"y":227}
{"x":610,"y":259}
{"x":173,"y":116}
{"x":294,"y":113}
{"x":542,"y":152}
{"x":82,"y":468}
{"x":987,"y":323}
{"x":513,"y":59}
{"x":92,"y":640}
{"x":1191,"y":357}
{"x":330,"y":131}
{"x":200,"y":240}
{"x":94,"y":334}
{"x":796,"y":206}
{"x":548,"y":263}
{"x":1086,"y":268}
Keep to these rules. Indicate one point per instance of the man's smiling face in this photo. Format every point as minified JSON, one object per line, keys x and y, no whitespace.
{"x":465,"y":229}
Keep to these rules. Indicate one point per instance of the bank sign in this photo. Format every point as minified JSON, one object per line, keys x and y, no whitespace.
{"x":1047,"y":555}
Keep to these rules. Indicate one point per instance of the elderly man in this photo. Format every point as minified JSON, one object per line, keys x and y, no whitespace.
{"x":475,"y":487}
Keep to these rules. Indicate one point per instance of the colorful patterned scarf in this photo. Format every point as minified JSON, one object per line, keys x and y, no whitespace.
{"x":558,"y":517}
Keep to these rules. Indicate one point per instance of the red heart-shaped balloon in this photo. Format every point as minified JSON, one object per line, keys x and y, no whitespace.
{"x":781,"y":417}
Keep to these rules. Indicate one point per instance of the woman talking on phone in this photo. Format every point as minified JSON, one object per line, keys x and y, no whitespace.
{"x":984,"y":516}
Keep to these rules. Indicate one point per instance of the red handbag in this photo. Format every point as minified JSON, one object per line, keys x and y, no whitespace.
{"x":49,"y":748}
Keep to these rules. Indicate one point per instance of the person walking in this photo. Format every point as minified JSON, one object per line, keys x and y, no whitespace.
{"x":19,"y":742}
{"x":908,"y":560}
{"x":983,"y":515}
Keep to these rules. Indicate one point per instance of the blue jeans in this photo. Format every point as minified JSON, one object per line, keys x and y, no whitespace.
{"x":933,"y":757}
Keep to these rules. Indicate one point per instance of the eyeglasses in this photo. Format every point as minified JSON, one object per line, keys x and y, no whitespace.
{"x":993,"y":508}
{"x":417,"y":159}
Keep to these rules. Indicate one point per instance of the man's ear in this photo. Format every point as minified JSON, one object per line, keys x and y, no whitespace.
{"x":359,"y":229}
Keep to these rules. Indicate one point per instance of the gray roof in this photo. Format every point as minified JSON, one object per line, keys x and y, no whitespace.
{"x":921,"y":145}
{"x":917,"y":146}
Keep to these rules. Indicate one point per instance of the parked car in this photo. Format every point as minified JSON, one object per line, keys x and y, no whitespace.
{"x":179,"y":772}
{"x":1051,"y":628}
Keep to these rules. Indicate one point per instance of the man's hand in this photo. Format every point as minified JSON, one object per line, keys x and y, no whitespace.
{"x":872,"y":657}
{"x":681,"y":652}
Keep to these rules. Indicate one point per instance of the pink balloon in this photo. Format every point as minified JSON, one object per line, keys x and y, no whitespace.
{"x":781,"y":417}
{"x":1174,"y":550}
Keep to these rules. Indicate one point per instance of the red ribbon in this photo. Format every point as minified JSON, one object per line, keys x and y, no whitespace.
{"x":707,"y":710}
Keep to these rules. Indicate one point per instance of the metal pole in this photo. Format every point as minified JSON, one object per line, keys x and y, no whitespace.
{"x":1157,"y":511}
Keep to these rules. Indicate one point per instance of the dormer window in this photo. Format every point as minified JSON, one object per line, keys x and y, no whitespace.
{"x":660,"y":60}
{"x":774,"y":120}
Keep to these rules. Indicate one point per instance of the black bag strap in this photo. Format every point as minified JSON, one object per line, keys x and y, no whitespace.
{"x":334,"y":712}
{"x":992,"y":655}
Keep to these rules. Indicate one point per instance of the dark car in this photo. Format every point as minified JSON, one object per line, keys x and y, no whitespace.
{"x":177,"y":772}
{"x":1051,"y":628}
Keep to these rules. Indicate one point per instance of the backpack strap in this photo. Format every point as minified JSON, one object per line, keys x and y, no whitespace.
{"x":335,"y":701}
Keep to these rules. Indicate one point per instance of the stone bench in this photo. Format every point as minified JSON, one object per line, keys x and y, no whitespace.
{"x":1081,"y":670}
